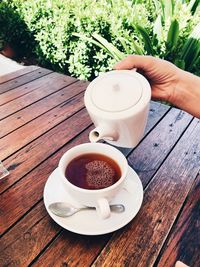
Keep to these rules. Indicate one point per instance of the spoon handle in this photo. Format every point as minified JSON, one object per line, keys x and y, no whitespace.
{"x":62,"y":209}
{"x":116,"y":208}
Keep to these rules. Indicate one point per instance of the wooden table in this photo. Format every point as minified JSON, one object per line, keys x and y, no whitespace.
{"x":42,"y":115}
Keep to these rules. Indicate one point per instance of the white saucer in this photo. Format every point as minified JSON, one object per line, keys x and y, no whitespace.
{"x":88,"y":222}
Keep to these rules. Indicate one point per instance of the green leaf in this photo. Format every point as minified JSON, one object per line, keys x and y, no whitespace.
{"x":191,"y":49}
{"x":137,"y":49}
{"x":103,"y":44}
{"x":88,"y":39}
{"x":110,"y":47}
{"x":180,"y":63}
{"x":129,"y":49}
{"x":167,"y":8}
{"x":173,"y":34}
{"x":193,"y":6}
{"x":147,"y":42}
{"x":157,"y":4}
{"x":123,"y":43}
{"x":157,"y":28}
{"x":192,"y":53}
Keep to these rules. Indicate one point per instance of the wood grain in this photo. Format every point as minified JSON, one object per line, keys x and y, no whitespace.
{"x":19,"y":198}
{"x":34,"y":153}
{"x":27,"y":238}
{"x":32,"y":86}
{"x":22,"y":164}
{"x":183,"y":242}
{"x":73,"y":250}
{"x":16,"y":74}
{"x":41,"y":119}
{"x":18,"y":81}
{"x":156,"y":112}
{"x":24,"y":135}
{"x":39,"y":224}
{"x":64,"y":256}
{"x":153,"y":150}
{"x":40,"y":107}
{"x":139,"y":243}
{"x":38,"y":89}
{"x":24,"y":160}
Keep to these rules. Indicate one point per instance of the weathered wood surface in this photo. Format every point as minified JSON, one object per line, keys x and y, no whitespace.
{"x":24,"y":199}
{"x":18,"y":73}
{"x":40,"y":107}
{"x":24,"y":135}
{"x":21,"y":169}
{"x":163,"y":199}
{"x":43,"y":86}
{"x":43,"y":118}
{"x":186,"y":228}
{"x":21,"y":80}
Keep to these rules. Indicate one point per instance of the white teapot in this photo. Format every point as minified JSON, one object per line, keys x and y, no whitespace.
{"x":118,"y":104}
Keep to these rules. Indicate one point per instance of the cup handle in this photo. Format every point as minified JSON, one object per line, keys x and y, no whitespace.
{"x":103,"y":208}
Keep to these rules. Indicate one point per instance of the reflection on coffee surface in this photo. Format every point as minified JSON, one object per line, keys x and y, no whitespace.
{"x":93,"y":171}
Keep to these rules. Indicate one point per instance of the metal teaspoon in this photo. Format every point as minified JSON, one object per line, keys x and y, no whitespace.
{"x":63,"y":209}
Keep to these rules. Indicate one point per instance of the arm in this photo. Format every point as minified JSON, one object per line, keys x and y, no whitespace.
{"x":187,"y":93}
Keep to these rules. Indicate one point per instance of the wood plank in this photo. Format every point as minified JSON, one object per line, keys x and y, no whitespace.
{"x":27,"y":88}
{"x":39,"y":89}
{"x":139,"y":243}
{"x":29,"y":113}
{"x":19,"y":198}
{"x":153,"y":150}
{"x":156,"y":112}
{"x":183,"y":242}
{"x":24,"y":242}
{"x":18,"y":81}
{"x":64,"y":256}
{"x":15,"y":74}
{"x":27,"y":158}
{"x":19,"y":245}
{"x":73,"y":250}
{"x":35,"y":128}
{"x":23,"y":160}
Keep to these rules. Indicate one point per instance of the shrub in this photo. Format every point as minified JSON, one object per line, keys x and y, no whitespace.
{"x":58,"y":32}
{"x":14,"y":30}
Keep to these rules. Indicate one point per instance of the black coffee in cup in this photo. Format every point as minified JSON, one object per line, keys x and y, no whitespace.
{"x":93,"y":171}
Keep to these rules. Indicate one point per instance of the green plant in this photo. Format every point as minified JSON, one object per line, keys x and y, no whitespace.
{"x":83,"y":38}
{"x":14,"y":30}
{"x":170,"y":37}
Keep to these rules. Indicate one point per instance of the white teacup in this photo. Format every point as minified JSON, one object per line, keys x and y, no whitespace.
{"x":98,"y":198}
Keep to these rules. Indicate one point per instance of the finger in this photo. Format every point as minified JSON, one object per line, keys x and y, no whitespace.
{"x":135,"y":61}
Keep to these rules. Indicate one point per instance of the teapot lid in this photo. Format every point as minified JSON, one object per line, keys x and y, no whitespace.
{"x":116,"y":91}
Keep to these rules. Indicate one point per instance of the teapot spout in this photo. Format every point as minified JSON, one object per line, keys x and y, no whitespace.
{"x":103,"y":132}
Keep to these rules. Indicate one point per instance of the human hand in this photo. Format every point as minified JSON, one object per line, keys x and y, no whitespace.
{"x":168,"y":82}
{"x":162,"y":75}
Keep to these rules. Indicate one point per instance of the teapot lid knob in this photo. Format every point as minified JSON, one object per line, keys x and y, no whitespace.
{"x":116,"y":91}
{"x":116,"y":87}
